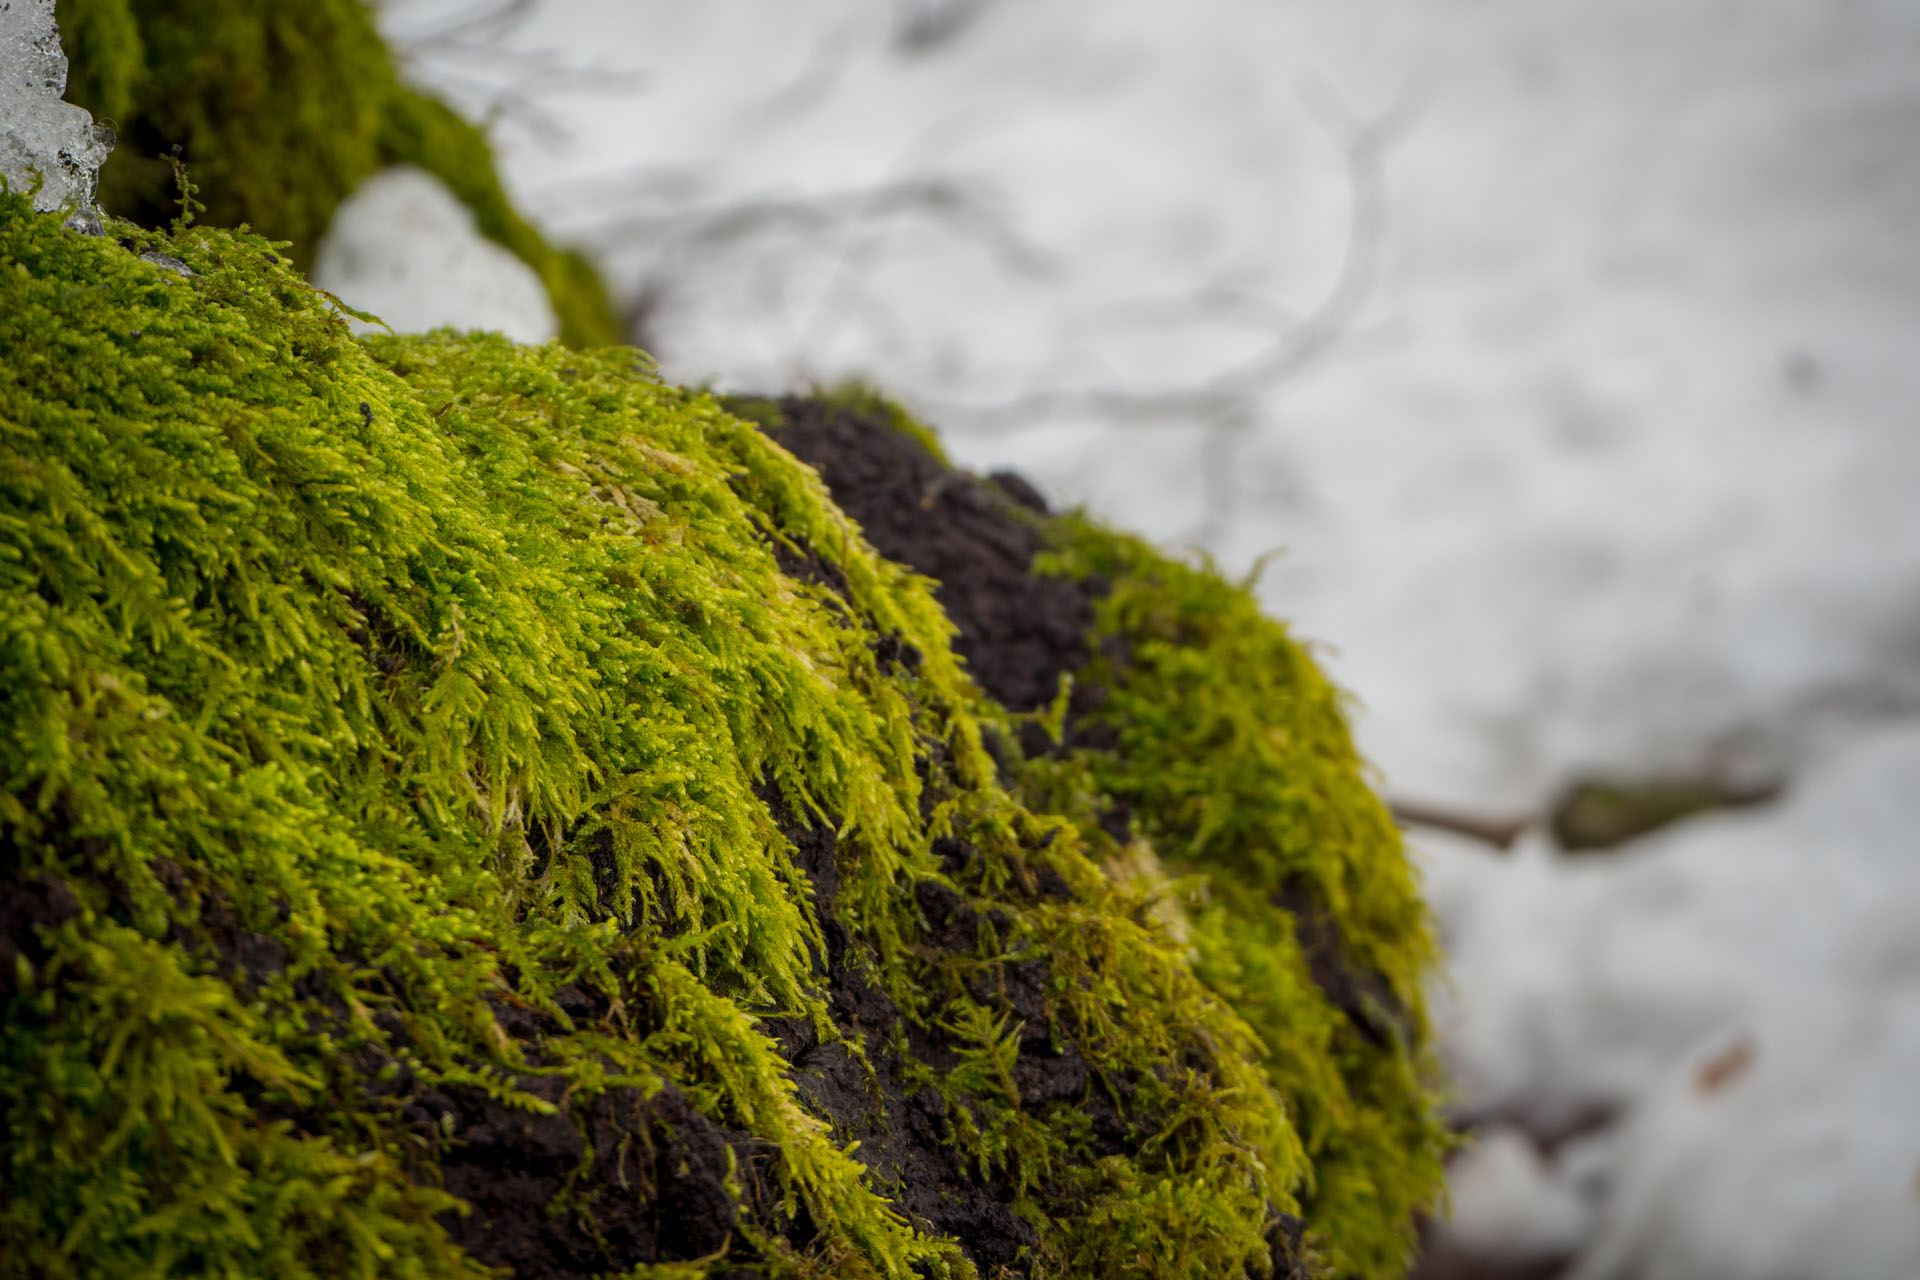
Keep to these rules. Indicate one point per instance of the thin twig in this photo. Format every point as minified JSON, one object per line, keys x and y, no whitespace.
{"x":962,"y":208}
{"x":1293,"y":349}
{"x":1498,"y":832}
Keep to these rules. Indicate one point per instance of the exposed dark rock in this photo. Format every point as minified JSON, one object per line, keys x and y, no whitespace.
{"x":903,"y":1130}
{"x":1018,"y":632}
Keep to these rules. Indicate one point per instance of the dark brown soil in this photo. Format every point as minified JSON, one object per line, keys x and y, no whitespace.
{"x":655,"y":1190}
{"x":903,"y":1131}
{"x":28,"y":904}
{"x":1019,"y":633}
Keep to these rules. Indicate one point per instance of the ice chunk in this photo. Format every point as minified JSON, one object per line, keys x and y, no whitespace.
{"x":404,"y":248}
{"x":44,"y":140}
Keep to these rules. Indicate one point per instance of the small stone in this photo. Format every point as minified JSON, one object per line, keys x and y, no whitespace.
{"x":167,"y":263}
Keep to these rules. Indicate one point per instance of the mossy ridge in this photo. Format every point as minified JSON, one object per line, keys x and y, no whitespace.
{"x":282,"y":110}
{"x":1121,"y":990}
{"x":446,"y":670}
{"x":1235,"y":760}
{"x":261,"y":618}
{"x":1232,"y":756}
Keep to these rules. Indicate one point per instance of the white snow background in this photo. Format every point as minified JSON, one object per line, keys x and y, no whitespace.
{"x":1569,"y":354}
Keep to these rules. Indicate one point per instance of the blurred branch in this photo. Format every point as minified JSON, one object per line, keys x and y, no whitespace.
{"x":488,"y":22}
{"x":683,"y":242}
{"x":471,"y":52}
{"x":961,"y":208}
{"x":1294,"y":347}
{"x":921,"y":27}
{"x":674,"y":244}
{"x":1225,"y":406}
{"x":1498,"y":832}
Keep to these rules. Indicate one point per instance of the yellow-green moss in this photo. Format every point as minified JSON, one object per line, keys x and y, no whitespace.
{"x":464,"y":672}
{"x":335,"y":653}
{"x":281,"y":110}
{"x":1233,"y":757}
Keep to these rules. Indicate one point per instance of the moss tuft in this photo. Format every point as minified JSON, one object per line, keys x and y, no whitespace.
{"x":1229,"y":751}
{"x":365,"y":700}
{"x":281,"y":111}
{"x":1206,"y":762}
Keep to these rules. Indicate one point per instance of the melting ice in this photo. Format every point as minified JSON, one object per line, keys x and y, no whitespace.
{"x":43,"y":139}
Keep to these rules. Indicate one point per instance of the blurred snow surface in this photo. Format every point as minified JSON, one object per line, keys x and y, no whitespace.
{"x":404,"y":248}
{"x":1744,"y":992}
{"x":1597,"y":452}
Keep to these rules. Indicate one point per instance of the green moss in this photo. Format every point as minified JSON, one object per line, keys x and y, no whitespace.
{"x":452,"y":675}
{"x":339,"y":672}
{"x":1258,"y":839}
{"x":1233,"y":756}
{"x":281,"y":111}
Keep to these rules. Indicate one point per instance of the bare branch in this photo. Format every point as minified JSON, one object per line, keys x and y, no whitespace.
{"x":1293,"y":349}
{"x":484,"y":22}
{"x":471,"y":54}
{"x":1499,"y":832}
{"x":925,"y":26}
{"x":961,"y":208}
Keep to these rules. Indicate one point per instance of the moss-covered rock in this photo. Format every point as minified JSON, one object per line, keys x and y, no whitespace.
{"x":471,"y":806}
{"x":280,"y":110}
{"x":1197,"y":741}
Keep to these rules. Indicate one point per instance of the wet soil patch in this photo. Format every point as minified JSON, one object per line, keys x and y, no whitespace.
{"x":903,"y":1128}
{"x":652,"y":1190}
{"x":1019,"y":631}
{"x":975,"y":538}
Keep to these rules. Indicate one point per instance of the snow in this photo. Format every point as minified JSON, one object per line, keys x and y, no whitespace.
{"x":1581,"y":978}
{"x":1806,"y":1164}
{"x":1590,"y":445}
{"x":1745,"y":991}
{"x":1510,"y":1204}
{"x":404,"y":248}
{"x":42,"y":139}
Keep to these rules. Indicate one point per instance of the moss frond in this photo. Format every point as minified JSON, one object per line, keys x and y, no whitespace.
{"x":1232,"y":753}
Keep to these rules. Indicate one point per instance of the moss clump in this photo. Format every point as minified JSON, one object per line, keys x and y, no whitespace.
{"x":1203,"y":757}
{"x":1231,"y":753}
{"x":406,"y":744}
{"x":281,"y":111}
